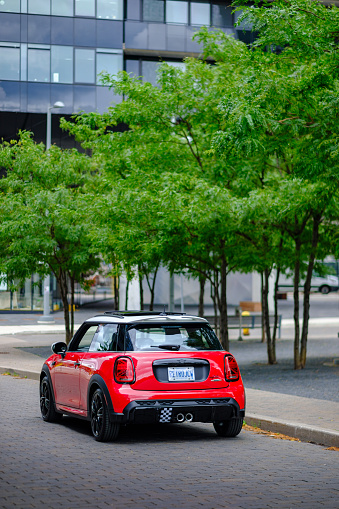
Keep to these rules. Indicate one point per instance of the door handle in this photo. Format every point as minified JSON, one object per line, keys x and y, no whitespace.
{"x":77,"y":363}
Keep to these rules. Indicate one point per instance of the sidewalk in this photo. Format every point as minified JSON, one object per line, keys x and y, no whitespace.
{"x":311,"y":420}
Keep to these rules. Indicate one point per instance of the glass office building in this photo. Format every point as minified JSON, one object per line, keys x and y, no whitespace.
{"x":54,"y":50}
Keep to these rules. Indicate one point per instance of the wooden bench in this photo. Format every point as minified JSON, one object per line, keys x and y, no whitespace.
{"x":247,"y":322}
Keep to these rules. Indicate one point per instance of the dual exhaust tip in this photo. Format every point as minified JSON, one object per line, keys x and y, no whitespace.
{"x":181,"y":417}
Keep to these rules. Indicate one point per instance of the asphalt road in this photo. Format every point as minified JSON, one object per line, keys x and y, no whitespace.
{"x":320,"y":305}
{"x":168,"y":466}
{"x":319,"y":379}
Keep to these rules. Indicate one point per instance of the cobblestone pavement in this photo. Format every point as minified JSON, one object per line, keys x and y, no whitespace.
{"x":169,"y":466}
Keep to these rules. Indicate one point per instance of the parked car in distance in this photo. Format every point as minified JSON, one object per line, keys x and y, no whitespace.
{"x":143,"y":367}
{"x":322,"y":284}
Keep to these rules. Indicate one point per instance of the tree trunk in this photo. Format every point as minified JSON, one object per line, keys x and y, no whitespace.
{"x":307,"y":290}
{"x":214,"y":286}
{"x":297,"y":364}
{"x":202,"y":281}
{"x":141,"y":289}
{"x":151,"y":304}
{"x":270,"y":347}
{"x":72,"y":306}
{"x":116,"y":292}
{"x":153,"y":288}
{"x":276,"y":288}
{"x":276,"y":317}
{"x":222,"y":303}
{"x":263,"y":335}
{"x":126,"y":295}
{"x":61,"y":278}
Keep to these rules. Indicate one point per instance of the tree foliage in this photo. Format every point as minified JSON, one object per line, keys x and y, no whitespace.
{"x":44,"y":219}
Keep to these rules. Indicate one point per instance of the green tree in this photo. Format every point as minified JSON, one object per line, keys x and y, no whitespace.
{"x":43,"y":209}
{"x":197,"y":234}
{"x":282,"y":115}
{"x":170,"y":129}
{"x":265,"y":250}
{"x":255,"y":121}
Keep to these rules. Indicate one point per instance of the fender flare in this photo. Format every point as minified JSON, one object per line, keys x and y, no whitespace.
{"x":98,"y":380}
{"x":45,"y":372}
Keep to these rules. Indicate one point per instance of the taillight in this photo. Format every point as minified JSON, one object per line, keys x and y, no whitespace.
{"x":232,"y":372}
{"x":124,"y":370}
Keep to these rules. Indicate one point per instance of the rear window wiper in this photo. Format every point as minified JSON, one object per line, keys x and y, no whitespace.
{"x":167,"y":347}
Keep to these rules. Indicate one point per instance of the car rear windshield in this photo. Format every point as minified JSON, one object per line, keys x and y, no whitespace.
{"x":171,"y":337}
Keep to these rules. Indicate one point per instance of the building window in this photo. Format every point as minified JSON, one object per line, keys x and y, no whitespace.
{"x":39,"y":7}
{"x":222,"y":14}
{"x":84,"y":66}
{"x":10,"y":5}
{"x":85,"y":8}
{"x":149,"y":71}
{"x":153,"y":10}
{"x":38,"y":63}
{"x":132,"y":67}
{"x":56,"y":64}
{"x":108,"y":62}
{"x":62,"y":7}
{"x":176,"y":12}
{"x":200,"y":13}
{"x":133,"y":10}
{"x":110,"y":9}
{"x":10,"y":63}
{"x":61,"y":64}
{"x":149,"y":68}
{"x":23,"y":62}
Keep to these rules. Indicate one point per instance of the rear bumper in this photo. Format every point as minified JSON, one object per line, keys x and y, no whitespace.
{"x":196,"y":410}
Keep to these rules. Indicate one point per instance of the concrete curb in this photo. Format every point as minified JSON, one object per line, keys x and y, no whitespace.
{"x":303,"y":432}
{"x":32,"y":375}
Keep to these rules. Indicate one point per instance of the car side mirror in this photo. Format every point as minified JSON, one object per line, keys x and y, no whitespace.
{"x":59,"y":348}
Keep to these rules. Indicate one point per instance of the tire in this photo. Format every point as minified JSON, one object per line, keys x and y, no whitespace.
{"x":325,"y":289}
{"x":229,"y":428}
{"x":103,"y":430}
{"x":47,"y":408}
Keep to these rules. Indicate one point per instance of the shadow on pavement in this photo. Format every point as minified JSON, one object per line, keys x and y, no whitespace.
{"x":151,"y":433}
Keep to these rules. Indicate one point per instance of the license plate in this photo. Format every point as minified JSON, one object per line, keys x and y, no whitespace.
{"x":181,"y":375}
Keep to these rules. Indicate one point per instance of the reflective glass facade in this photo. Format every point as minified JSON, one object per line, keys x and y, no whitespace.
{"x":56,"y":49}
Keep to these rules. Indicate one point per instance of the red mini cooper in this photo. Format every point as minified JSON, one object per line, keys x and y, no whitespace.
{"x":143,"y":367}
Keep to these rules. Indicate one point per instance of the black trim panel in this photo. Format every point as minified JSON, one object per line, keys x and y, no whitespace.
{"x":203,"y":410}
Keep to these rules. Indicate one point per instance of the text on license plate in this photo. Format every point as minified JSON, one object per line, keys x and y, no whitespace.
{"x":181,"y":374}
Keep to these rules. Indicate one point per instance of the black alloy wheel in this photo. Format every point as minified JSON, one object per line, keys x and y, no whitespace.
{"x":47,"y":408}
{"x":229,"y":428}
{"x":103,"y":430}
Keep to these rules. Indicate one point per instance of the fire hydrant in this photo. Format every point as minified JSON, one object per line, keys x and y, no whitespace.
{"x":246,"y":330}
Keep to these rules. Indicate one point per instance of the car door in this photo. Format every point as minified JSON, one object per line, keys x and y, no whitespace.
{"x":66,"y":371}
{"x":104,"y":346}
